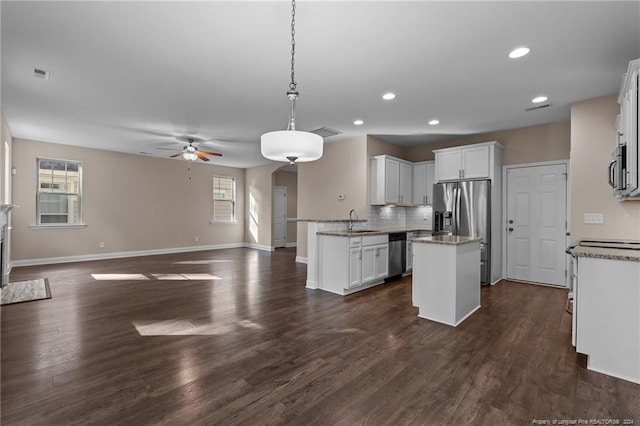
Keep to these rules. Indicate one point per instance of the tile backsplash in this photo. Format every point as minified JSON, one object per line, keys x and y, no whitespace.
{"x":395,"y":216}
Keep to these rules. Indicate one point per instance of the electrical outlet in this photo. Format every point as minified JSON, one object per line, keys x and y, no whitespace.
{"x":594,"y":218}
{"x":101,"y":244}
{"x":197,"y":239}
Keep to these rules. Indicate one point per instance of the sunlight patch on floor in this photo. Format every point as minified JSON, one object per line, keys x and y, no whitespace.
{"x":184,"y":277}
{"x":162,"y":277}
{"x":183,"y":327}
{"x":202,"y":262}
{"x":119,"y":277}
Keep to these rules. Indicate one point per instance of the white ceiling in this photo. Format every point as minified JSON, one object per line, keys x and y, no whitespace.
{"x":130,"y":76}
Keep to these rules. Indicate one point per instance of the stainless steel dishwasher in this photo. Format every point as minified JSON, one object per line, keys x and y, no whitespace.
{"x":397,"y":254}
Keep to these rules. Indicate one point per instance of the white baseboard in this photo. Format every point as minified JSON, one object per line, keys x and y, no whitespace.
{"x":288,"y":245}
{"x":259,"y":247}
{"x":300,"y":259}
{"x":117,"y":255}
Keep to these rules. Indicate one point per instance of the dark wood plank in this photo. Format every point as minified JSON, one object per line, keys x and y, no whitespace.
{"x":253,"y":346}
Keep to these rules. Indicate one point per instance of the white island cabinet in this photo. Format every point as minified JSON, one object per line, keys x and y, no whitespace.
{"x":446,"y":278}
{"x":606,"y":310}
{"x":348,"y":264}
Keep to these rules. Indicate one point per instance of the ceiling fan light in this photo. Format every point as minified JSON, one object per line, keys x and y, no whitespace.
{"x":189,"y":156}
{"x":283,"y":144}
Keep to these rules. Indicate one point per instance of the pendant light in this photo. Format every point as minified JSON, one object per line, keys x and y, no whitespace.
{"x":291,"y":145}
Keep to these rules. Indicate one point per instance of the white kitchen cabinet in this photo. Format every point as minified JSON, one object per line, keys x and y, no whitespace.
{"x":423,"y":180}
{"x":405,"y":184}
{"x":355,"y":268}
{"x":628,"y":131}
{"x":349,"y":264}
{"x":475,"y":161}
{"x":390,"y":180}
{"x":607,"y":316}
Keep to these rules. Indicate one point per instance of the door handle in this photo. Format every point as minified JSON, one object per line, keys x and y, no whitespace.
{"x":510,"y":221}
{"x":611,"y":164}
{"x":510,"y":229}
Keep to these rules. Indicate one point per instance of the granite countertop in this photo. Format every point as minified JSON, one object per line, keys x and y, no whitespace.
{"x":328,"y":220}
{"x":365,"y":232}
{"x":452,"y":240}
{"x":607,"y":253}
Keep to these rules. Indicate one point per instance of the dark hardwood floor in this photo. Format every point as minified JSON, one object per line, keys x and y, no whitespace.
{"x":233,"y":337}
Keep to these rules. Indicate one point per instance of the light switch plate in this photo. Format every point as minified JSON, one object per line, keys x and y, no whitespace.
{"x":594,"y":218}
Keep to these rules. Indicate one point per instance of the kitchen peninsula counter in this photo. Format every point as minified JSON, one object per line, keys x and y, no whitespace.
{"x":379,"y":231}
{"x":446,"y":277}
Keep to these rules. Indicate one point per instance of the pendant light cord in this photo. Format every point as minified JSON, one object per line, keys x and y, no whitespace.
{"x":293,"y":83}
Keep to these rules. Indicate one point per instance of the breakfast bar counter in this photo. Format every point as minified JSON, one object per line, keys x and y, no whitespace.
{"x":446,"y":277}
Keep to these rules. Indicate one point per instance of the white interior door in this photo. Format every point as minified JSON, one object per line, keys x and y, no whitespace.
{"x":536,"y":223}
{"x":279,"y":216}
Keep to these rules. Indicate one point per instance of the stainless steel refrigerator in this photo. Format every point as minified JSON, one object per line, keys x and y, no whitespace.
{"x":464,"y":208}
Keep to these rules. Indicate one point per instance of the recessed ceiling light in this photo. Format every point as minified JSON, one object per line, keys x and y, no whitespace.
{"x":358,"y":122}
{"x":388,"y":96}
{"x":434,"y":122}
{"x":539,"y":99}
{"x":519,"y":52}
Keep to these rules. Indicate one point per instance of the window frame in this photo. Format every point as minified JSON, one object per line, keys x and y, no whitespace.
{"x":39,"y":223}
{"x":233,"y":199}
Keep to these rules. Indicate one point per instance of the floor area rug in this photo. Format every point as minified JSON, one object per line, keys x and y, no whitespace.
{"x":25,"y":291}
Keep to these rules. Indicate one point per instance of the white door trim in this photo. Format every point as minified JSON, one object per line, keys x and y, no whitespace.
{"x":505,"y":203}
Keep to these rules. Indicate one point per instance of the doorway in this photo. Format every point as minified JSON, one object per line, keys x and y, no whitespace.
{"x":536,"y":223}
{"x":279,"y":216}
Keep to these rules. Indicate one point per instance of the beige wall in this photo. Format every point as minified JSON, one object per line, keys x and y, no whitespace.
{"x":129,"y":202}
{"x":593,"y":138}
{"x":6,"y":164}
{"x":290,"y":181}
{"x":259,"y":202}
{"x":6,"y":142}
{"x":546,"y":142}
{"x":341,"y":170}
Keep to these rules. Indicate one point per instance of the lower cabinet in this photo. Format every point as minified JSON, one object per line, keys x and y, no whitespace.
{"x":355,"y":268}
{"x":375,"y":262}
{"x":349,"y":264}
{"x":607,"y":316}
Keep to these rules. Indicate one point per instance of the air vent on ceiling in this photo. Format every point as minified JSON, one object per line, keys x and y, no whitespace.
{"x":40,"y":73}
{"x":538,"y":107}
{"x":325,"y":132}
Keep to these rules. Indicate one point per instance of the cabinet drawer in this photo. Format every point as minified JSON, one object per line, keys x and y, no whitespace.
{"x":371,"y":240}
{"x":355,"y":242}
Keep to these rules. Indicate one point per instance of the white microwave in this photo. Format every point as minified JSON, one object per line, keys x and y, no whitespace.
{"x":617,"y":168}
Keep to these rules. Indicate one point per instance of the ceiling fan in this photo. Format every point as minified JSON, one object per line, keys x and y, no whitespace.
{"x":191,"y":152}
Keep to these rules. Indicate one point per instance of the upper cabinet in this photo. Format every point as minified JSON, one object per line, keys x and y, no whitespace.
{"x":625,"y":169}
{"x":476,"y":161}
{"x":423,"y":179}
{"x":390,"y":180}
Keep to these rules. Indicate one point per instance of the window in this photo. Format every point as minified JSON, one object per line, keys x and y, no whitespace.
{"x":59,"y":192}
{"x":224,"y":199}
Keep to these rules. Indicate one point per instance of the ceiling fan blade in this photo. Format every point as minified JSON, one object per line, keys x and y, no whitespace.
{"x":211,"y":153}
{"x":169,"y":149}
{"x":202,"y":156}
{"x":175,"y":155}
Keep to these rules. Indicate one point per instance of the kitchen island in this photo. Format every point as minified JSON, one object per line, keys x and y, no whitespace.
{"x":446,"y":277}
{"x":606,"y":308}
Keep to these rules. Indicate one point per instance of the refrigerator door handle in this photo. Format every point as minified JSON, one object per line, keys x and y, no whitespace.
{"x":456,"y":209}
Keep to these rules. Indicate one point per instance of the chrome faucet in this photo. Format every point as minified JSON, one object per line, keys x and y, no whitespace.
{"x":352,"y":213}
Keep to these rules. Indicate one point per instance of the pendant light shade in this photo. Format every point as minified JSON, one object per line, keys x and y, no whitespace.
{"x":285,"y":145}
{"x":291,"y":145}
